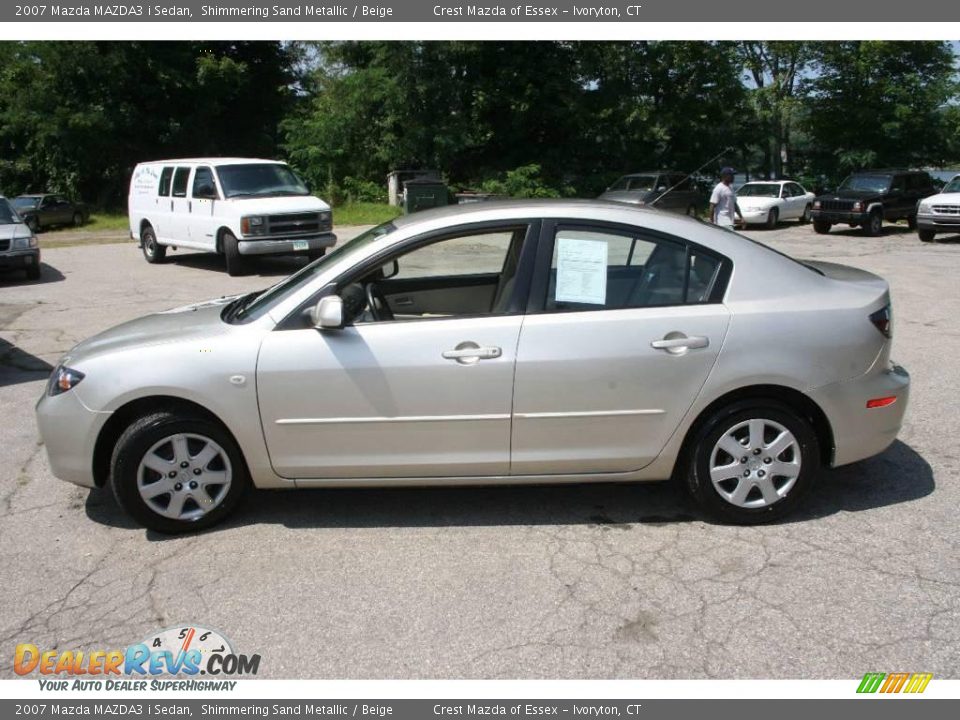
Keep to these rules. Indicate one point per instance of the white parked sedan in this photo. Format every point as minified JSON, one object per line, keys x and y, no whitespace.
{"x":769,"y":202}
{"x":521,"y":342}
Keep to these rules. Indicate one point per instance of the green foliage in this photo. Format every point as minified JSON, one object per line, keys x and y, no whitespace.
{"x":364,"y":213}
{"x":522,"y":182}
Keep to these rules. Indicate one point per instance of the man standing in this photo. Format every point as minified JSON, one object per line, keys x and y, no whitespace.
{"x":723,"y":202}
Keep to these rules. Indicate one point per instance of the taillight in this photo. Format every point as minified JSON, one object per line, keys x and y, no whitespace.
{"x":882,"y":320}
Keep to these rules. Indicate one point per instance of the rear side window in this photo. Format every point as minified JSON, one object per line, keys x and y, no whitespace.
{"x":609,"y":270}
{"x":180,"y":179}
{"x":163,"y":190}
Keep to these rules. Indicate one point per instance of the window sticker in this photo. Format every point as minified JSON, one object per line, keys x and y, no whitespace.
{"x":581,"y":271}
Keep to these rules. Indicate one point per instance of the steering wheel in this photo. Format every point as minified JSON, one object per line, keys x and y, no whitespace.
{"x":377,"y":303}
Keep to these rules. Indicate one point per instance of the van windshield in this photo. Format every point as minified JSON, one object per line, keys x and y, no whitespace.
{"x":260,"y":180}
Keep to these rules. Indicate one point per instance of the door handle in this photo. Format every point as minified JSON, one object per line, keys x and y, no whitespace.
{"x":677,"y":343}
{"x":468,"y":353}
{"x":403,"y":301}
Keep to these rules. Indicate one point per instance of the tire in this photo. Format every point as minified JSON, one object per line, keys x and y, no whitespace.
{"x":33,"y":272}
{"x":772,"y":217}
{"x":874,"y":225}
{"x":153,"y":251}
{"x":77,"y":219}
{"x":33,"y":224}
{"x":168,"y":439}
{"x":236,"y":263}
{"x":316,"y":254}
{"x":821,"y":227}
{"x":912,"y":222}
{"x":927,"y":235}
{"x":806,"y":217}
{"x":730,"y":495}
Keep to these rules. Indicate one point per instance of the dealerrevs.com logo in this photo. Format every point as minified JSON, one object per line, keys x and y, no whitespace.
{"x":900,"y":682}
{"x":183,"y":651}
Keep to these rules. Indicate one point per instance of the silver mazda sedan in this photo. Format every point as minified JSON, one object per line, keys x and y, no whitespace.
{"x":520,"y":342}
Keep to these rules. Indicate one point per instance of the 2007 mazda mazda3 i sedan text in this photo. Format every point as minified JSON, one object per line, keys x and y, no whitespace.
{"x":517,"y":342}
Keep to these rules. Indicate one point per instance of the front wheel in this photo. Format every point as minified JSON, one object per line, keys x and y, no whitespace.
{"x":177,"y":473}
{"x":753,"y":462}
{"x":874,"y":224}
{"x":77,"y":219}
{"x":807,"y":214}
{"x":772,"y":217}
{"x":236,"y":263}
{"x":927,"y":235}
{"x":821,"y":227}
{"x":153,"y":251}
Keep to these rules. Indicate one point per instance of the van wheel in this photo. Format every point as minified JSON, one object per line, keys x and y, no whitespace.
{"x":753,"y":462}
{"x":174,"y":472}
{"x":236,"y":263}
{"x":153,"y":251}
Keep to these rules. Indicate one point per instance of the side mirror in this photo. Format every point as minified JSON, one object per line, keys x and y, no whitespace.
{"x":328,"y":313}
{"x":391,"y":269}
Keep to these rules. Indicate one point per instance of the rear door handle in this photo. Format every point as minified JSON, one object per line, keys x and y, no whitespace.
{"x":678,"y":342}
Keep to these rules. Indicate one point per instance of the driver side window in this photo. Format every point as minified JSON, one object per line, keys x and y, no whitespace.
{"x":468,"y":274}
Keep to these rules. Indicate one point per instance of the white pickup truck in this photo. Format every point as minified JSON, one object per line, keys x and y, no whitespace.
{"x":236,"y":207}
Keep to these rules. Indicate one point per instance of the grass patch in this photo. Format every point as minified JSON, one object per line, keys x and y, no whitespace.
{"x":107,"y":221}
{"x":364,"y":213}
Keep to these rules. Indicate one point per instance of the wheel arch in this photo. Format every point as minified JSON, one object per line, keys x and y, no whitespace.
{"x":144,"y":224}
{"x":123,"y":416}
{"x":221,"y":231}
{"x":797,"y":401}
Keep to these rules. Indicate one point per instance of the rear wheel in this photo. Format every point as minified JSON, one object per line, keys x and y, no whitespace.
{"x":236,"y":263}
{"x":77,"y":219}
{"x":874,"y":224}
{"x":153,"y":251}
{"x":912,"y":222}
{"x":772,"y":217}
{"x":33,"y":224}
{"x":753,"y":462}
{"x":927,"y":235}
{"x":821,"y":227}
{"x":176,"y":473}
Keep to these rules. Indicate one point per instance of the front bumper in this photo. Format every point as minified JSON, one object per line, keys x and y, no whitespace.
{"x":19,"y":259}
{"x":69,"y":432}
{"x":860,"y":432}
{"x":754,"y":217}
{"x":939,"y":223}
{"x":835,"y":217}
{"x":285,"y":246}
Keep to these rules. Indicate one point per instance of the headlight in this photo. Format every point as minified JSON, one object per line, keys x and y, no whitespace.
{"x":923,"y":207}
{"x":816,"y":204}
{"x":326,"y":220}
{"x":24,"y":243}
{"x":63,"y":379}
{"x":857,"y":206}
{"x":253,"y":225}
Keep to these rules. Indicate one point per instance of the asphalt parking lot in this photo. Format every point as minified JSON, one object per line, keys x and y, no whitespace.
{"x":570,"y":582}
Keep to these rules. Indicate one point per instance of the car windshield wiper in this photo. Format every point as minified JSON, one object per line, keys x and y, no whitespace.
{"x":235,"y":309}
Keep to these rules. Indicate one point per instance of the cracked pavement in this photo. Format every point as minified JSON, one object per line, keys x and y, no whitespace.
{"x":602,"y":581}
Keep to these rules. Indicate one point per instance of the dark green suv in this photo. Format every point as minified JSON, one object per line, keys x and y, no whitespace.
{"x":867,"y":198}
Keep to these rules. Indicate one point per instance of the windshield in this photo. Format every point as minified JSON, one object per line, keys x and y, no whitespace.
{"x":25,"y":203}
{"x":260,"y":180}
{"x":867,"y":183}
{"x":255,"y":304}
{"x":953,"y":186}
{"x":770,"y":190}
{"x":635,"y":182}
{"x":8,"y":215}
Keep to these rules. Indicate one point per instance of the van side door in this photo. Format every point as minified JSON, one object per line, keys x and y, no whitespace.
{"x":178,"y":226}
{"x":203,"y":197}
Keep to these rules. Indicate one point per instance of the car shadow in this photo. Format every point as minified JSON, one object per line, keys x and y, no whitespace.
{"x":273,"y":266}
{"x":897,"y":476}
{"x":18,"y":366}
{"x":887,"y":231}
{"x":48,"y":274}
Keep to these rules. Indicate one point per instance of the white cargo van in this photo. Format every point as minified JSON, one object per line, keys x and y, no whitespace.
{"x":236,"y":207}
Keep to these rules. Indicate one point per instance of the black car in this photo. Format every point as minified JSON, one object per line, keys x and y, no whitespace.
{"x":867,"y":198}
{"x":43,"y":210}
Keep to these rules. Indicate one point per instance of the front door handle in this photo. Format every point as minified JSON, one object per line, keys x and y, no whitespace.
{"x":468,"y":353}
{"x":677,"y":343}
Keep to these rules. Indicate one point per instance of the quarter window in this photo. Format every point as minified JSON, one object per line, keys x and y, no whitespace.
{"x":604,"y":270}
{"x":165,"y":176}
{"x":202,"y":178}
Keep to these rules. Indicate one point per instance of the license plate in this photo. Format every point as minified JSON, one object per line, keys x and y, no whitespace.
{"x":301,"y":245}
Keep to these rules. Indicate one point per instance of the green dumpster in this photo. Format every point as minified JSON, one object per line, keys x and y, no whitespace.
{"x":424,"y":193}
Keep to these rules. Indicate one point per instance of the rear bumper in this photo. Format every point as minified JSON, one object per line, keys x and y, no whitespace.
{"x":285,"y":246}
{"x":860,"y":432}
{"x":19,"y":259}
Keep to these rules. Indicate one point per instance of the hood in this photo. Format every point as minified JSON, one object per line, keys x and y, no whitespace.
{"x":299,"y":203}
{"x":198,"y":321}
{"x":14,"y":230}
{"x":851,"y":195}
{"x":629,"y":196}
{"x":949,"y":198}
{"x":753,"y":202}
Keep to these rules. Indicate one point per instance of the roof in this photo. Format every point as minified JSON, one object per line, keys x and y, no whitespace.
{"x":214,"y":161}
